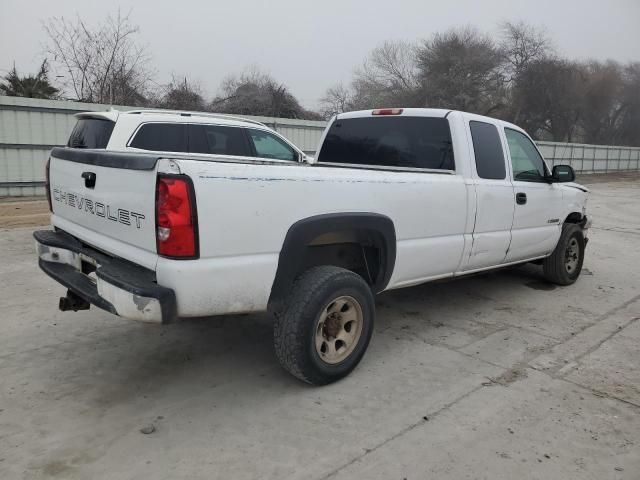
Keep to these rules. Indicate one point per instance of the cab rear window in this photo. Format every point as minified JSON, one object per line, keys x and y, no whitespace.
{"x":91,"y":133}
{"x":400,"y":142}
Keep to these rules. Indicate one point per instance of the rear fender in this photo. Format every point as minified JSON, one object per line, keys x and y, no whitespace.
{"x":302,"y":234}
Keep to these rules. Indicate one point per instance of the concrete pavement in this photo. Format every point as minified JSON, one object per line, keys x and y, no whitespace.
{"x":494,"y":376}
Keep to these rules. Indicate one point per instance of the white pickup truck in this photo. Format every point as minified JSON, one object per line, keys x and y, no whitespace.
{"x":158,"y":216}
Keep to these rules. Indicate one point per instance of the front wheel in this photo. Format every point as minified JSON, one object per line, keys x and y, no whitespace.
{"x":324,"y":329}
{"x":563,"y":266}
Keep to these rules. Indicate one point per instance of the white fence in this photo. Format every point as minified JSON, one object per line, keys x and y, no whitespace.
{"x":29,"y":128}
{"x":591,"y":158}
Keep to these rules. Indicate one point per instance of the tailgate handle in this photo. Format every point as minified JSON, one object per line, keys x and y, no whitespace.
{"x":89,"y":179}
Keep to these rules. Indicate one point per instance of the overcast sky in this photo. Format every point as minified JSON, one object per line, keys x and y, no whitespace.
{"x":310,"y":45}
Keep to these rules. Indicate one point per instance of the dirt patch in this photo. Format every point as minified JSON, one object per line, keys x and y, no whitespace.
{"x":29,"y":212}
{"x":515,"y":373}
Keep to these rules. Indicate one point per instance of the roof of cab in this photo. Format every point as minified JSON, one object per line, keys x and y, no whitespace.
{"x":423,"y":112}
{"x":406,"y":112}
{"x":174,"y":116}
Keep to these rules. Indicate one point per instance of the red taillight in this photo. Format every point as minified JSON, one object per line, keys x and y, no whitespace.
{"x":387,"y":111}
{"x":176,"y":223}
{"x":47,"y":183}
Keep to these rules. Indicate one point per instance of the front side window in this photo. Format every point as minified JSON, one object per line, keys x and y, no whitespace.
{"x":406,"y":142}
{"x":269,"y":146}
{"x":218,"y":140}
{"x":91,"y":133}
{"x":161,"y":137}
{"x":488,"y":151}
{"x":526,"y":162}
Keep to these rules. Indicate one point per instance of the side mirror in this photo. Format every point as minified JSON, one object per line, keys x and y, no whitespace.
{"x":563,"y":173}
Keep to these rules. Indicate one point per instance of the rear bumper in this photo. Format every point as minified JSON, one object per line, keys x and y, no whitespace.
{"x":117,"y":286}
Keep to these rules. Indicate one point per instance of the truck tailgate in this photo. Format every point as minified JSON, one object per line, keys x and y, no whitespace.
{"x":107,"y":200}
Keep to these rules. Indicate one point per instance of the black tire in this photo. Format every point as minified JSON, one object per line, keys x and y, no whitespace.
{"x":557,"y":268}
{"x":299,"y":319}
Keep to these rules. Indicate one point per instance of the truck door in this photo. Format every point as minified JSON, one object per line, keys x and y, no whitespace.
{"x":536,"y":221}
{"x":494,"y":196}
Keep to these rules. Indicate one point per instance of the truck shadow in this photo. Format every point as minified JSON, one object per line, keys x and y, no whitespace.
{"x":197,"y":356}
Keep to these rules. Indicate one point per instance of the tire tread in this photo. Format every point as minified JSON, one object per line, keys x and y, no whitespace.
{"x":288,"y":333}
{"x":553,"y":266}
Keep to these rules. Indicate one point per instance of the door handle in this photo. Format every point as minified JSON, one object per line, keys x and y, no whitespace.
{"x":521,"y":198}
{"x":89,"y":179}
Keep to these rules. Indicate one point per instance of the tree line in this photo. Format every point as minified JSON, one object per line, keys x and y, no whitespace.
{"x":108,"y":64}
{"x":517,"y":76}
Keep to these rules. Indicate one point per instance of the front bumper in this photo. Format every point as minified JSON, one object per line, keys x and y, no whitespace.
{"x":586,"y":225}
{"x":115,"y":285}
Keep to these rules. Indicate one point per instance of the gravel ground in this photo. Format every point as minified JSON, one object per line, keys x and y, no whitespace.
{"x":495,"y":376}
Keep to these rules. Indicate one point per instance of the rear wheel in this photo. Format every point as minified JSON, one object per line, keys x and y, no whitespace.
{"x":325,"y":325}
{"x":564,"y":265}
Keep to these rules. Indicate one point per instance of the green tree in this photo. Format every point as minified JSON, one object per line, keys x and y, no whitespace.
{"x":32,"y":86}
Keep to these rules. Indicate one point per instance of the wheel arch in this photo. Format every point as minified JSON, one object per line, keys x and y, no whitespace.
{"x":573,"y":217}
{"x":376,"y":230}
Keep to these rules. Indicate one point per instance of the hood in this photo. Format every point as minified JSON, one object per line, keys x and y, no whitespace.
{"x":576,"y":185}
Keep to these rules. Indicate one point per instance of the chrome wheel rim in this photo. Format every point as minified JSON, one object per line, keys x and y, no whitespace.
{"x":338,"y":329}
{"x":572,"y":255}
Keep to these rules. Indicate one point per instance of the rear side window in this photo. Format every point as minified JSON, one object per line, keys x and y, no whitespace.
{"x":161,"y":137}
{"x":218,"y":140}
{"x":267,"y":145}
{"x":408,"y":142}
{"x":488,"y":151}
{"x":91,"y":133}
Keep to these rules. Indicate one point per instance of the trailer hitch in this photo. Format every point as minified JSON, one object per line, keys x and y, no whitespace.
{"x":73,"y":302}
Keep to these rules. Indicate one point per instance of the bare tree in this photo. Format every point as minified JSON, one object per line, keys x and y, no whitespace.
{"x":104,"y":64}
{"x":522,"y":44}
{"x":256,"y":93}
{"x":461,"y":69}
{"x":337,"y":99}
{"x":246,"y":93}
{"x":183,"y":94}
{"x":392,"y":64}
{"x":603,"y":104}
{"x":519,"y":78}
{"x":387,"y":77}
{"x":549,"y":94}
{"x":628,"y":131}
